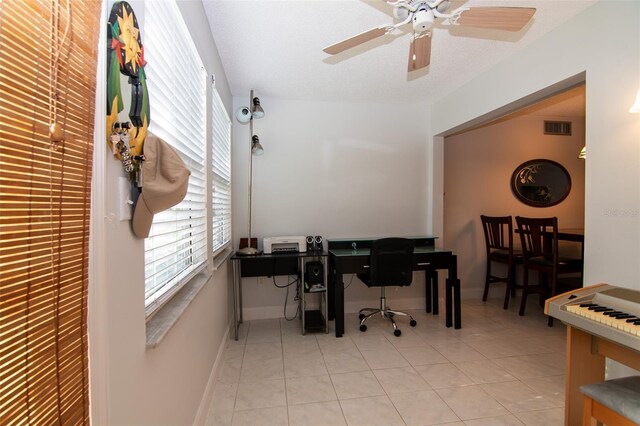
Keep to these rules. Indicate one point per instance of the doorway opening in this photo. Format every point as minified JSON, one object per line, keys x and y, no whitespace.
{"x":479,"y":162}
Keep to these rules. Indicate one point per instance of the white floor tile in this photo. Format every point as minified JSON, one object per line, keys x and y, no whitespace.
{"x":304,"y":366}
{"x":263,"y":394}
{"x":423,"y":356}
{"x":550,"y":417}
{"x":471,"y":402}
{"x":275,"y":416}
{"x":518,"y":397}
{"x":484,"y":371}
{"x":458,"y":351}
{"x":530,"y":366}
{"x":371,"y":411}
{"x":509,"y":420}
{"x":274,"y":375}
{"x":551,"y":387}
{"x":443,"y":375}
{"x":383,"y":358}
{"x":400,"y":380}
{"x":345,"y":362}
{"x":422,"y":408}
{"x":258,"y":370}
{"x":302,"y":390}
{"x":356,"y":385}
{"x":316,"y":414}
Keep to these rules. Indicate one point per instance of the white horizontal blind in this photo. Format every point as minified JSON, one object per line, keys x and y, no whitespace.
{"x":176,"y":247}
{"x":221,"y":163}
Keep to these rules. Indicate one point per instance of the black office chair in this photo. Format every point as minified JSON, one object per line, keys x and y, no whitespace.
{"x":390,"y":264}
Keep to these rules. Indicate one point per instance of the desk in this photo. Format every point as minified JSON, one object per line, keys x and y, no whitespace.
{"x":267,"y":265}
{"x":350,"y":256}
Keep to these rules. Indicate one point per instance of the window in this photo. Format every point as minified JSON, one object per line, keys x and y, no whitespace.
{"x":48,"y":57}
{"x":176,"y":247}
{"x":221,"y":161}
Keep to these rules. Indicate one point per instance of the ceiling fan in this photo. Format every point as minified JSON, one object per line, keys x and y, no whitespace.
{"x":422,"y":14}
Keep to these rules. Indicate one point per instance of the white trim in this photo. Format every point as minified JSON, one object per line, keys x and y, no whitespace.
{"x":97,"y":316}
{"x":222,"y":256}
{"x":207,"y":397}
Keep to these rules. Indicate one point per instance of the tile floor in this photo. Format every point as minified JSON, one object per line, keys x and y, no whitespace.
{"x":499,"y":369}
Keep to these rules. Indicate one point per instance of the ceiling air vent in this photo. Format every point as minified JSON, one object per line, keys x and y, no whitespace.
{"x":562,"y":128}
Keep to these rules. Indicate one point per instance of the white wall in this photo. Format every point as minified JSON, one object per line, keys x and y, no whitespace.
{"x":330,"y":169}
{"x":131,"y":384}
{"x":603,"y":41}
{"x":478,"y":169}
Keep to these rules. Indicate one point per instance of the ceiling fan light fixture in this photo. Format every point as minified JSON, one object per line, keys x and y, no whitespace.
{"x":400,"y":13}
{"x":423,"y":20}
{"x":443,"y":7}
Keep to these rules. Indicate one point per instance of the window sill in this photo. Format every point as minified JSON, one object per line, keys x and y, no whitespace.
{"x":221,"y":257}
{"x":170,"y":313}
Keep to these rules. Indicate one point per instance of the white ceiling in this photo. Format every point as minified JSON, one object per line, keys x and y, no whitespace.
{"x":275,"y":47}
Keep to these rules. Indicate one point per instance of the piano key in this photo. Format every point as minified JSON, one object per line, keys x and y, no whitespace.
{"x":587,"y":305}
{"x":622,"y":316}
{"x":602,"y":316}
{"x":612,"y":313}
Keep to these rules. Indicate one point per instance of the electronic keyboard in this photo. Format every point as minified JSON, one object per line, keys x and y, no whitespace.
{"x":603,"y":310}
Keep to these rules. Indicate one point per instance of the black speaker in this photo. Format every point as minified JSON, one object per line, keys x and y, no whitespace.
{"x":314,"y":273}
{"x":310,"y":245}
{"x":317,"y":243}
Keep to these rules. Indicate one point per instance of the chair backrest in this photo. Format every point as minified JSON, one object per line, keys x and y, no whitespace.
{"x":539,"y":237}
{"x":498,"y":233}
{"x":391,"y":262}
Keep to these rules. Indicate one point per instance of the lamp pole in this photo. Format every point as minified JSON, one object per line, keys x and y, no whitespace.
{"x":248,"y":250}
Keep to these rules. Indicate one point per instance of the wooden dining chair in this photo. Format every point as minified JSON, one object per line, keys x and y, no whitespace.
{"x":539,"y":242}
{"x":498,"y":237}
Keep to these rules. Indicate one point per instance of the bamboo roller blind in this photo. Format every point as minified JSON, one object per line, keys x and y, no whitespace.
{"x":48,"y":56}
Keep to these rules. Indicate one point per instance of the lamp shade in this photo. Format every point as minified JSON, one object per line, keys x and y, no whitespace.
{"x":243,"y":115}
{"x":256,"y":148}
{"x":258,"y":112}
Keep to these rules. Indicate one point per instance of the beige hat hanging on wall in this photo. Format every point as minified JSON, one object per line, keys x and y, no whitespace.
{"x":165,"y":179}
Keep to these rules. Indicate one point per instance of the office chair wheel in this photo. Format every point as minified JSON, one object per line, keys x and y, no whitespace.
{"x":363,"y":327}
{"x":397,"y":332}
{"x":412,"y":323}
{"x":360,"y":317}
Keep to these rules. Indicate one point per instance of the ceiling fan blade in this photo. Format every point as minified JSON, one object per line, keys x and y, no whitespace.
{"x":355,"y":40}
{"x":500,"y":18}
{"x":420,"y":51}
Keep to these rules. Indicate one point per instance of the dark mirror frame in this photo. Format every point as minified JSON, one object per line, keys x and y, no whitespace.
{"x":542,"y":195}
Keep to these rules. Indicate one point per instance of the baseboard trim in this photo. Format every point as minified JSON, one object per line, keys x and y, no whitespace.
{"x":205,"y":402}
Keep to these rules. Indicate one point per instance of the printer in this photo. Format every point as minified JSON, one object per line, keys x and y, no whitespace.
{"x":294,"y":244}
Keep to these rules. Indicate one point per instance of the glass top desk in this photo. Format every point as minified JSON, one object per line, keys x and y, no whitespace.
{"x":351,"y":256}
{"x":267,"y":265}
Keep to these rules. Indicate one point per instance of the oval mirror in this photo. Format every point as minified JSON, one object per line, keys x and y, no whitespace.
{"x":540,"y":183}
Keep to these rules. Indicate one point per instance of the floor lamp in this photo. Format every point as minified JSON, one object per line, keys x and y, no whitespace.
{"x":246,"y":115}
